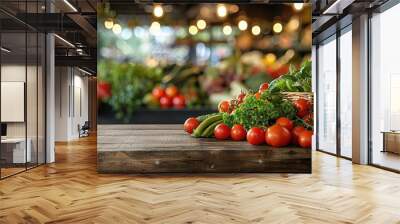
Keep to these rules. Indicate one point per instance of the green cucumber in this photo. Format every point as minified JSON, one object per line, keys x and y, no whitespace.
{"x":201,"y":118}
{"x":203,"y":125}
{"x":210,"y":129}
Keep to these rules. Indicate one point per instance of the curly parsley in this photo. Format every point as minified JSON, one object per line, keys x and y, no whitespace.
{"x":261,"y":112}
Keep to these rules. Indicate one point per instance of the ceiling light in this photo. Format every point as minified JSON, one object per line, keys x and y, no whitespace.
{"x":242,"y":25}
{"x":117,"y":29}
{"x":155,"y":28}
{"x":84,"y":71}
{"x":109,"y":23}
{"x":227,"y":30}
{"x":70,"y":5}
{"x":293,"y":24}
{"x":256,"y":30}
{"x":337,"y":7}
{"x":64,"y":40}
{"x":233,"y":8}
{"x":277,"y":27}
{"x":298,"y":6}
{"x":221,"y":10}
{"x":201,"y":24}
{"x":158,"y":11}
{"x":5,"y":49}
{"x":193,"y":30}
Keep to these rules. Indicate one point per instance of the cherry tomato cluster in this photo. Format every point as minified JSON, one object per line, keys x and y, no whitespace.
{"x":169,"y":97}
{"x":281,"y":134}
{"x":278,"y":135}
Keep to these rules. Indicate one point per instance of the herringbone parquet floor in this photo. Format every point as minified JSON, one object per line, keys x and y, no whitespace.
{"x":70,"y":191}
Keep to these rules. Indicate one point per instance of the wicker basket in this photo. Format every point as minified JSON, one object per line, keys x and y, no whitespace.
{"x":293,"y":96}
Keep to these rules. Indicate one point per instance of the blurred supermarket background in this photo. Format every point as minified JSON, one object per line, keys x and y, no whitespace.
{"x":159,"y":63}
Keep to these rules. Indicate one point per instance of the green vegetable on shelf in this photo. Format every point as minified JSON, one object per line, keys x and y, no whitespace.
{"x":261,"y":112}
{"x":295,"y":81}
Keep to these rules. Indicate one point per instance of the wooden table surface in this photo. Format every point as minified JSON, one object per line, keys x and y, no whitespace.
{"x":167,"y":148}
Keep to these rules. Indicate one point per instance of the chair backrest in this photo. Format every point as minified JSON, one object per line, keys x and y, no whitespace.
{"x":86,"y":125}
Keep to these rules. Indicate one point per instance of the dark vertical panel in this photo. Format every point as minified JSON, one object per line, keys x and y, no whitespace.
{"x":338,"y":76}
{"x":26,"y":86}
{"x":369,"y":78}
{"x":0,"y":94}
{"x":316,"y":96}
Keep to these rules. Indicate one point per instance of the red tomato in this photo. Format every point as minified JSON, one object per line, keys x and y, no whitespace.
{"x":296,"y":133}
{"x":171,"y":91}
{"x":103,"y":90}
{"x":309,"y":119}
{"x":190,"y":124}
{"x":158,"y":92}
{"x":238,"y":133}
{"x":255,"y":136}
{"x":165,"y":102}
{"x":222,"y":131}
{"x":241,"y":97}
{"x":277,"y":136}
{"x":179,"y":101}
{"x":263,"y":87}
{"x":257,"y":95}
{"x":224,"y":106}
{"x":305,"y":139}
{"x":285,"y":122}
{"x":302,"y":106}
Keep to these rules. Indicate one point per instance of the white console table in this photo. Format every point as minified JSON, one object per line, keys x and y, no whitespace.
{"x":18,"y":145}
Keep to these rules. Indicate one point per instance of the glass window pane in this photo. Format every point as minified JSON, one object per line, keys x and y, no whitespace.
{"x":327,"y":96}
{"x":385,"y":84}
{"x":346,"y":94}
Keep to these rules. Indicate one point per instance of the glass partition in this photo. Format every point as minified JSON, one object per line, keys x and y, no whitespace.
{"x":22,"y":91}
{"x":327,"y":96}
{"x":15,"y":150}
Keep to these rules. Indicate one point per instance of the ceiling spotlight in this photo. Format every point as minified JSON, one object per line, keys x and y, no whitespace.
{"x":227,"y":30}
{"x":193,"y":30}
{"x":298,"y":6}
{"x":277,"y":27}
{"x":221,"y":10}
{"x":155,"y":27}
{"x":201,"y":24}
{"x":158,"y":11}
{"x":256,"y":30}
{"x":109,"y":23}
{"x":242,"y":25}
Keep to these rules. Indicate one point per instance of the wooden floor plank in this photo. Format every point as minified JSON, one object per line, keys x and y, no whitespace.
{"x":71,"y":191}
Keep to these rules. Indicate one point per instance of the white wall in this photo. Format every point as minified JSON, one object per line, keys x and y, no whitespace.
{"x":71,"y":94}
